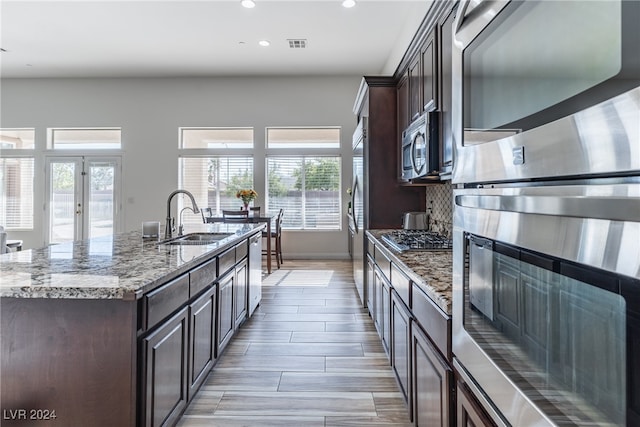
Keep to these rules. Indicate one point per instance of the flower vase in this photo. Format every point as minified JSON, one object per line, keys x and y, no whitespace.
{"x":246,"y":206}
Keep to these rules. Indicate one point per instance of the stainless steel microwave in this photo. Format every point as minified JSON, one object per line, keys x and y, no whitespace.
{"x":419,"y":153}
{"x":545,"y":90}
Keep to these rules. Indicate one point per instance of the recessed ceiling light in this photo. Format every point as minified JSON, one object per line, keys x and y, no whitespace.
{"x":348,"y":3}
{"x":264,"y":43}
{"x":249,"y":4}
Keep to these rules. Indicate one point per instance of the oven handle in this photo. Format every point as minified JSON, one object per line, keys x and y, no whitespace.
{"x":607,"y":208}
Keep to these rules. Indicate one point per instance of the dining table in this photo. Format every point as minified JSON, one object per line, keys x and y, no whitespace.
{"x":262,"y":217}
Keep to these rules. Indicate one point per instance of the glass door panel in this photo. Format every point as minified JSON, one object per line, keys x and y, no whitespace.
{"x":83,"y":194}
{"x":100,"y":193}
{"x":65,"y":194}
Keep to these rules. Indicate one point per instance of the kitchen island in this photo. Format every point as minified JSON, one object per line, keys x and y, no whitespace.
{"x":119,"y":330}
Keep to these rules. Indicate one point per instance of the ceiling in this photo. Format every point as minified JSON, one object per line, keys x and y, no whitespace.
{"x":145,"y":38}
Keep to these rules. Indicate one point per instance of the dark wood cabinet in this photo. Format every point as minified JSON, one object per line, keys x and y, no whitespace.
{"x":202,"y":338}
{"x":446,"y":85}
{"x":385,"y":199}
{"x":403,"y":105}
{"x":432,"y":383}
{"x":385,"y":310}
{"x":401,"y":344}
{"x":414,"y":75}
{"x":370,"y":288}
{"x":240,"y":294}
{"x":165,"y":371}
{"x":429,"y":74}
{"x":225,"y":310}
{"x":469,"y":411}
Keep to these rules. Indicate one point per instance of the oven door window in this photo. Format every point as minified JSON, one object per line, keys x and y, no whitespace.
{"x":562,"y":341}
{"x":538,"y":61}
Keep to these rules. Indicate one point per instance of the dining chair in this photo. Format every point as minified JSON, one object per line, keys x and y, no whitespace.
{"x":276,"y":235}
{"x":255,"y":210}
{"x":235,"y":216}
{"x":206,"y":213}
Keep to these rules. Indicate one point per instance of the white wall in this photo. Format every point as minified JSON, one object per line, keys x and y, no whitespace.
{"x":150,"y":111}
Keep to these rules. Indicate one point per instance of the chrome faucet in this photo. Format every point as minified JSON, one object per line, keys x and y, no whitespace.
{"x":180,"y":224}
{"x":169,"y":227}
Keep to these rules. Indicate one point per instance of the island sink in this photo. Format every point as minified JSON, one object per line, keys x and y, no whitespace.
{"x":196,"y":239}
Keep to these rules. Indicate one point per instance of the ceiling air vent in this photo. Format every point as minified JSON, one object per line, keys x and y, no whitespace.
{"x":297,"y":43}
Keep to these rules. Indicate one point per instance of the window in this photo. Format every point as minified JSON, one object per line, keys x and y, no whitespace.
{"x":214,"y":181}
{"x":303,"y":138}
{"x":214,"y":164}
{"x":227,"y":138}
{"x":16,"y":178}
{"x":17,"y":139}
{"x":85,"y":139}
{"x":306,"y":186}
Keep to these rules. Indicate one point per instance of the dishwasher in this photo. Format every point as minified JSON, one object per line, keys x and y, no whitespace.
{"x":255,"y":272}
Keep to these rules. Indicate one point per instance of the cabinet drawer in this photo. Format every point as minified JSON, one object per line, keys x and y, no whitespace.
{"x":400,"y":283}
{"x":166,"y":299}
{"x":242,"y":250}
{"x":226,"y":260}
{"x":203,"y":276}
{"x":384,"y":263}
{"x":432,"y":320}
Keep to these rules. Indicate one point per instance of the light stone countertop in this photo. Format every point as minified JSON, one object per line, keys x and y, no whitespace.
{"x":431,"y":270}
{"x":121,"y":266}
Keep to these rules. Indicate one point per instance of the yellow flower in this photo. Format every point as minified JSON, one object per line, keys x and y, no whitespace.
{"x":246,"y":195}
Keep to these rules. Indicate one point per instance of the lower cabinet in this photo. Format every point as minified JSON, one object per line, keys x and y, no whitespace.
{"x":370,"y":289}
{"x":226,"y":315}
{"x":202,"y":338}
{"x":432,"y":383}
{"x":401,"y":345}
{"x":240,"y":294}
{"x":164,"y":383}
{"x":469,"y":412}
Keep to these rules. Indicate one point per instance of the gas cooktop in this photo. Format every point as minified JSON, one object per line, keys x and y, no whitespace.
{"x":417,"y":240}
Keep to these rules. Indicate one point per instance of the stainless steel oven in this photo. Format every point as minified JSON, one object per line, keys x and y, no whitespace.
{"x":546,"y":301}
{"x":419,"y":152}
{"x":546,"y":240}
{"x":545,"y":90}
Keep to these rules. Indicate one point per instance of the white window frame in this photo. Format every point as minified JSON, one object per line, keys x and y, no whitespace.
{"x":303,"y":152}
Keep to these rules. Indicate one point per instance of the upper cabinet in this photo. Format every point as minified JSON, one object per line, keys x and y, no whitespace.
{"x":429,"y":77}
{"x":424,"y":83}
{"x":414,"y":76}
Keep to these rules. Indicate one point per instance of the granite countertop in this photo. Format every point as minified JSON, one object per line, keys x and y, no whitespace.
{"x":121,"y":266}
{"x":432,"y":271}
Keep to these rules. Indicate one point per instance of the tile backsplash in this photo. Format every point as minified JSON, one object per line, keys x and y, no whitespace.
{"x":440,"y":207}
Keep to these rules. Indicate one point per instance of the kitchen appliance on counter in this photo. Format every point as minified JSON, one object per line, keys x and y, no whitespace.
{"x":546,"y":259}
{"x":415,"y":221}
{"x":419,"y":153}
{"x":417,"y":240}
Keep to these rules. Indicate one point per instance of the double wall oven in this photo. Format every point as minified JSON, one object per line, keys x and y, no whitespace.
{"x":546,"y":239}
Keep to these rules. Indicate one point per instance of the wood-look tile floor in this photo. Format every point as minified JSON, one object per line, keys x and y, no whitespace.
{"x":309,"y":356}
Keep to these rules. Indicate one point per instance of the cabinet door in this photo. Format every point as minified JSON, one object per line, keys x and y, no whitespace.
{"x":432,"y":383}
{"x":401,"y":344}
{"x":164,"y":371}
{"x":415,"y":88}
{"x":377,"y":285}
{"x":202,"y":338}
{"x":240,"y":293}
{"x":370,"y":288}
{"x":385,"y":298}
{"x":446,"y":134}
{"x":225,"y":310}
{"x":403,"y":106}
{"x":470,"y":414}
{"x":428,"y":57}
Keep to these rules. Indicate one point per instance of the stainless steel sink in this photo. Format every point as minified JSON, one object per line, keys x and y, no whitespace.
{"x":196,"y":239}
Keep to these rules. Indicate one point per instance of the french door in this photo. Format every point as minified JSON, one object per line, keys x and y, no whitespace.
{"x":83,"y":197}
